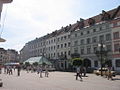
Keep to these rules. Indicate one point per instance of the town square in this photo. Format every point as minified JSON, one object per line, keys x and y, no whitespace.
{"x":59,"y":45}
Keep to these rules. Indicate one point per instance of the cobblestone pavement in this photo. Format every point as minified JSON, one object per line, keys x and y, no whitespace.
{"x":57,"y":81}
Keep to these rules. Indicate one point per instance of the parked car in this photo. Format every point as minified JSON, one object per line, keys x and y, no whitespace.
{"x":1,"y":83}
{"x":105,"y":72}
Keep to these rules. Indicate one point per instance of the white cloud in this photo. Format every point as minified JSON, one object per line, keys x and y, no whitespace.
{"x":28,"y":19}
{"x":34,"y":18}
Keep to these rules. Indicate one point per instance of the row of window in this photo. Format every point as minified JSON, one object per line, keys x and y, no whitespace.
{"x":59,"y":54}
{"x":40,"y":44}
{"x":63,"y":38}
{"x":93,"y":39}
{"x":92,"y":31}
{"x":90,"y":50}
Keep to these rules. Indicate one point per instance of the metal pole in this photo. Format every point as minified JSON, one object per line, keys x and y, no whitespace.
{"x":101,"y":52}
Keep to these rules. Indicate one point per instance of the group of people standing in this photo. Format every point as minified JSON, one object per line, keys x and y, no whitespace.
{"x":9,"y":70}
{"x":39,"y":69}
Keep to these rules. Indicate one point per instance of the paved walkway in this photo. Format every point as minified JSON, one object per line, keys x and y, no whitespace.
{"x":57,"y":81}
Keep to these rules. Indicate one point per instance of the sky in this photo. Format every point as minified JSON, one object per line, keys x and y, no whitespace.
{"x":25,"y":20}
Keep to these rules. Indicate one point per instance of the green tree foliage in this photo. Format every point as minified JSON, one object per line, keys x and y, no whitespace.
{"x":27,"y":64}
{"x":35,"y":64}
{"x":43,"y":63}
{"x":77,"y":61}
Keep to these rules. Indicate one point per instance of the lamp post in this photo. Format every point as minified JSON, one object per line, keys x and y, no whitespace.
{"x":101,"y":45}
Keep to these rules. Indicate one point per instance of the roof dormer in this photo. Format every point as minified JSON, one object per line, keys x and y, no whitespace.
{"x":91,"y":21}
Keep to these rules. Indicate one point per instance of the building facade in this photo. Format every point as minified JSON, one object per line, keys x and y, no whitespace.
{"x":9,"y":55}
{"x":12,"y":55}
{"x":115,"y":25}
{"x":83,"y":38}
{"x":3,"y":56}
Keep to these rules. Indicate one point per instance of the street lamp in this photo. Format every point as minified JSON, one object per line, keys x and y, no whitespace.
{"x":100,"y":54}
{"x":101,"y":45}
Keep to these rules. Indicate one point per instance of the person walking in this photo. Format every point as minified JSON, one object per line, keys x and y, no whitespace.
{"x":78,"y":74}
{"x":18,"y":70}
{"x":40,"y":71}
{"x":46,"y":71}
{"x":109,"y":73}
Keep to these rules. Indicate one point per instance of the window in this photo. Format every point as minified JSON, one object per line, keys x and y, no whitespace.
{"x":81,"y":33}
{"x":54,"y":47}
{"x":109,"y":47}
{"x":108,"y":37}
{"x":94,"y":39}
{"x":61,"y":45}
{"x":68,"y":36}
{"x":96,"y":63}
{"x":88,"y":50}
{"x":88,"y":40}
{"x":68,"y":52}
{"x":54,"y":40}
{"x":101,"y":38}
{"x":58,"y":46}
{"x":41,"y":43}
{"x":116,"y":35}
{"x":54,"y":54}
{"x":75,"y":50}
{"x":117,"y":62}
{"x":94,"y":30}
{"x":82,"y":41}
{"x":116,"y":47}
{"x":65,"y":37}
{"x":51,"y":47}
{"x":75,"y":43}
{"x":65,"y":53}
{"x":76,"y":35}
{"x":82,"y":51}
{"x":61,"y":38}
{"x":88,"y":32}
{"x":68,"y":44}
{"x":51,"y":41}
{"x":100,"y":28}
{"x":95,"y":49}
{"x":58,"y":39}
{"x":58,"y":54}
{"x":65,"y":45}
{"x":61,"y":53}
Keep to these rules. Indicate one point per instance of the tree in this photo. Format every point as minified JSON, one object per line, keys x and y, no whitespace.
{"x":35,"y":64}
{"x":44,"y":64}
{"x":77,"y":61}
{"x":27,"y":64}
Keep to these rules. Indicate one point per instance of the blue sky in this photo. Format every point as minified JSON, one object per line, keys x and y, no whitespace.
{"x":34,"y":18}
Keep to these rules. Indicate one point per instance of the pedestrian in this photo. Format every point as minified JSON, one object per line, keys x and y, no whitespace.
{"x":5,"y":69}
{"x":109,"y":73}
{"x":10,"y":70}
{"x":46,"y":71}
{"x":18,"y":70}
{"x":81,"y":70}
{"x":78,"y":74}
{"x":84,"y":71}
{"x":40,"y":71}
